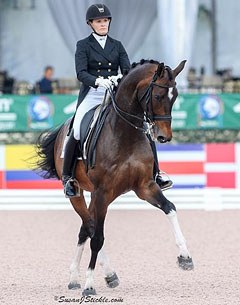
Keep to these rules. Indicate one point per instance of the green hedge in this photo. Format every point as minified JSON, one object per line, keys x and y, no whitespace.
{"x":183,"y":136}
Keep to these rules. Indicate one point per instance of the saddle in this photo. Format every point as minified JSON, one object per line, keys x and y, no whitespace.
{"x":90,"y":130}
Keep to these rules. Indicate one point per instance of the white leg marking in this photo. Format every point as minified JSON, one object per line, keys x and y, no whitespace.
{"x":180,"y":240}
{"x":89,"y":279}
{"x":105,"y":263}
{"x":74,"y":268}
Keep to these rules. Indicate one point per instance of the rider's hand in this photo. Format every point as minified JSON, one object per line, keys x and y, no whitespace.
{"x":103,"y":82}
{"x":115,"y":78}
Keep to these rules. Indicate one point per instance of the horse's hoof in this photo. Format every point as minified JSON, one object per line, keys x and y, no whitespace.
{"x":185,"y":263}
{"x":112,"y":281}
{"x":89,"y":291}
{"x":74,"y":285}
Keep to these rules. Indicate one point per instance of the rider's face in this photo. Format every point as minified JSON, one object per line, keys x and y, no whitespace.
{"x":100,"y":26}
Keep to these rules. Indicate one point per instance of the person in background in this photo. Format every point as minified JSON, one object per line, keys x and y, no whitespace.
{"x":45,"y":84}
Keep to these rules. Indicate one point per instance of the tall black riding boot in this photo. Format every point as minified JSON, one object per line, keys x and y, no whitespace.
{"x":164,"y":184}
{"x":70,"y":155}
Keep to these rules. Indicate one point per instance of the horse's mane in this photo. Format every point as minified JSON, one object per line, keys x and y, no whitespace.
{"x":149,"y":61}
{"x":135,"y":64}
{"x":142,"y":62}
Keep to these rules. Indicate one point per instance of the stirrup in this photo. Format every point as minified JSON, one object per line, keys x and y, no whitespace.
{"x":166,"y":184}
{"x":72,"y":183}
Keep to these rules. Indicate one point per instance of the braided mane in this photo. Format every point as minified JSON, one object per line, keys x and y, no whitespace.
{"x":142,"y":62}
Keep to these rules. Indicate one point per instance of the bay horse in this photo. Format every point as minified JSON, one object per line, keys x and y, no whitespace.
{"x":124,"y":162}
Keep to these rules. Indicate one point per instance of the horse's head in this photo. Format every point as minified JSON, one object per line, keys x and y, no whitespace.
{"x":147,"y":93}
{"x":157,"y":93}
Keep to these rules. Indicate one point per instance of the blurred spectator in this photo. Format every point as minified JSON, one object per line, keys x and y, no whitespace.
{"x":226,"y":74}
{"x":202,"y":71}
{"x":192,"y":78}
{"x":45,"y":85}
{"x":6,"y":83}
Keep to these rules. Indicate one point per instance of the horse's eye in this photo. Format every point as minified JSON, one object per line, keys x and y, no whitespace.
{"x":157,"y":97}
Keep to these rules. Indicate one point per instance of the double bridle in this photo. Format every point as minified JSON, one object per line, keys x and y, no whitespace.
{"x":149,"y":116}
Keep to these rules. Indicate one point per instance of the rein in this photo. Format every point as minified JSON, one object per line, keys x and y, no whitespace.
{"x":149,"y":116}
{"x":121,"y":114}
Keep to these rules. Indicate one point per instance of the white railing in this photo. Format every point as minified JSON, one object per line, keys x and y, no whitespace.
{"x":205,"y":199}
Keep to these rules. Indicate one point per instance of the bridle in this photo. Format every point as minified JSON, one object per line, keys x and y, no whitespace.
{"x":149,"y":116}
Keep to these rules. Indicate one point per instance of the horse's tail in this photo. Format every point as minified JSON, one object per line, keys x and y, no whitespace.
{"x":45,"y":151}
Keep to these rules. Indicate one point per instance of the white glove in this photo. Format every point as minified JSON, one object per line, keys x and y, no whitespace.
{"x":115,"y":78}
{"x":103,"y":82}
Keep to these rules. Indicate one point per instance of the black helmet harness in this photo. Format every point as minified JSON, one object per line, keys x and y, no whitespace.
{"x":98,"y":11}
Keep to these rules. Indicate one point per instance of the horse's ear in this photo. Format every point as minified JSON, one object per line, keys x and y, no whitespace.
{"x":160,"y":68}
{"x":179,"y":68}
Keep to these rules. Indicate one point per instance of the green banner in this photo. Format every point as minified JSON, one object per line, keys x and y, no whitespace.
{"x":206,"y":111}
{"x":32,"y":112}
{"x":190,"y":111}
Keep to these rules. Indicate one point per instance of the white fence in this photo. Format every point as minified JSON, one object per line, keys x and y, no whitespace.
{"x":203,"y":199}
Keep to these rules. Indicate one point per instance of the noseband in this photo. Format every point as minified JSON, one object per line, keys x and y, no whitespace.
{"x":149,"y":116}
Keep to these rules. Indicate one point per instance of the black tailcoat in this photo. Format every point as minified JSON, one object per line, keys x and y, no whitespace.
{"x":92,"y":61}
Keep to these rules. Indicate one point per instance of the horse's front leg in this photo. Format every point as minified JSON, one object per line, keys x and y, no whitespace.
{"x":153,"y":194}
{"x":98,"y":208}
{"x":110,"y":275}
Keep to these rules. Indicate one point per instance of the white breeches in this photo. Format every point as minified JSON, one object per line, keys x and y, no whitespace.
{"x":92,"y":99}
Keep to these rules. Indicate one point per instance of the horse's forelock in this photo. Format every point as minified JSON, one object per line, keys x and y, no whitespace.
{"x":160,"y":69}
{"x":170,"y":72}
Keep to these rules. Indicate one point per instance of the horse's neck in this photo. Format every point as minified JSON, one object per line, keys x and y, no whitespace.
{"x":123,"y":132}
{"x":127,"y":101}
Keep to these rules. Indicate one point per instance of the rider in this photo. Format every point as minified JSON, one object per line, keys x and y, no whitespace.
{"x":97,"y":60}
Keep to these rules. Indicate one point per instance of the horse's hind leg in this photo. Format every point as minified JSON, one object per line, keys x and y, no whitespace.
{"x":74,"y":282}
{"x":75,"y":265}
{"x":111,"y":277}
{"x":86,"y":230}
{"x":153,"y":195}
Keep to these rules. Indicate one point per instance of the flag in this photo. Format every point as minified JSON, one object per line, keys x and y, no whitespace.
{"x":188,"y":166}
{"x":201,"y":165}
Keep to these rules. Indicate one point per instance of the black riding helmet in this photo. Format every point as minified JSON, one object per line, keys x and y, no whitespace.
{"x":97,"y":11}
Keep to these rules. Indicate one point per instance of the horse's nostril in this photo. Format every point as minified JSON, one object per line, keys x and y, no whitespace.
{"x":161,"y":139}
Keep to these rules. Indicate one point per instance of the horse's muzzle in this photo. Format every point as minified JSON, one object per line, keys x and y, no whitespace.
{"x":162,"y":139}
{"x":161,"y":134}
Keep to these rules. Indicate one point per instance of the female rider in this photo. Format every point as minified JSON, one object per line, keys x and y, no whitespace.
{"x":97,"y":60}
